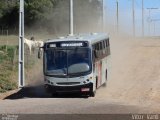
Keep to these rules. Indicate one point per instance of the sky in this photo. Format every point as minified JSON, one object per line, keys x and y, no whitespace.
{"x":151,"y":24}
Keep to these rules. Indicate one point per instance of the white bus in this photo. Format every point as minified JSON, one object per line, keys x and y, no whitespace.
{"x":76,"y":63}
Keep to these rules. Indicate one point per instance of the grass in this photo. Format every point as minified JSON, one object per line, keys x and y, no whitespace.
{"x":8,"y":67}
{"x":9,"y":40}
{"x":9,"y":62}
{"x":6,"y":81}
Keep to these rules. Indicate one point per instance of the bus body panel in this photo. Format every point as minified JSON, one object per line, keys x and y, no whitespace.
{"x":82,"y":81}
{"x":100,"y":51}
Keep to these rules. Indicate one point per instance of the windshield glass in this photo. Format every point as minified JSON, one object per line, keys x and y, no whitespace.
{"x":74,"y":61}
{"x":56,"y":62}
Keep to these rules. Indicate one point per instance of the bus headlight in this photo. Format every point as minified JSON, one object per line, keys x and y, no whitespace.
{"x":46,"y":80}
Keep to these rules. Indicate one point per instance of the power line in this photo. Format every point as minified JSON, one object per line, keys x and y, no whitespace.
{"x":133,"y":17}
{"x":71,"y":17}
{"x":149,"y":19}
{"x":117,"y":14}
{"x":142,"y":18}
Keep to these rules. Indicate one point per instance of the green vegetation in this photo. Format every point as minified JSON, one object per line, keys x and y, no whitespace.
{"x":8,"y":67}
{"x":47,"y":15}
{"x":43,"y":17}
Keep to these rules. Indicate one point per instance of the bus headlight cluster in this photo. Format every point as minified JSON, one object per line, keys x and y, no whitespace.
{"x":49,"y":82}
{"x":86,"y":81}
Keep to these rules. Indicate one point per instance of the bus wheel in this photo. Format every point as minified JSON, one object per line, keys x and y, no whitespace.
{"x":106,"y":75}
{"x":96,"y":82}
{"x":54,"y":94}
{"x":92,"y":94}
{"x":105,"y":84}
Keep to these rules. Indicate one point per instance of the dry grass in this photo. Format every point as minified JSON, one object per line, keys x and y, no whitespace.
{"x":8,"y":71}
{"x":9,"y":40}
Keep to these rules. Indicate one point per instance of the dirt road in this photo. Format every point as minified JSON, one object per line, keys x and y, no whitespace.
{"x":135,"y":75}
{"x":133,"y":85}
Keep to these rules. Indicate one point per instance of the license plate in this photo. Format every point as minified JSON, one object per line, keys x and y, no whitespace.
{"x":85,"y":89}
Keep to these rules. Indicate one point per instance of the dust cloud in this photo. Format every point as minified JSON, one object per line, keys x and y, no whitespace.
{"x":134,"y":77}
{"x":135,"y":62}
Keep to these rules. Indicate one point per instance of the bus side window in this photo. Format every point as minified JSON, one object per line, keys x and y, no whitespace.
{"x":94,"y":52}
{"x":106,"y":41}
{"x":97,"y":50}
{"x":104,"y":49}
{"x":108,"y":47}
{"x":101,"y":49}
{"x":94,"y":56}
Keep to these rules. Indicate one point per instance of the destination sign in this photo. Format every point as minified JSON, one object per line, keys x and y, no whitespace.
{"x":67,"y":44}
{"x":52,"y":45}
{"x":72,"y":44}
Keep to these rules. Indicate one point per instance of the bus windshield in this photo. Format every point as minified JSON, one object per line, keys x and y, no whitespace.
{"x":68,"y":62}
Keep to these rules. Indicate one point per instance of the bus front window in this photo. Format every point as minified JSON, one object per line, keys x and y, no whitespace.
{"x":78,"y":61}
{"x":56,"y":63}
{"x":68,"y":62}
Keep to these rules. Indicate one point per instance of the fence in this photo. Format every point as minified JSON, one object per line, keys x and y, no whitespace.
{"x":4,"y":32}
{"x":9,"y":66}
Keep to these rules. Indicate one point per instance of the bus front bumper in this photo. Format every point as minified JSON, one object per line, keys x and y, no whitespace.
{"x":86,"y":88}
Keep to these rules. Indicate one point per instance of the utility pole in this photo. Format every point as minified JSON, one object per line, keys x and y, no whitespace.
{"x":103,"y":21}
{"x":133,"y":16}
{"x":71,"y":17}
{"x":149,"y":26}
{"x":21,"y":79}
{"x":142,"y":18}
{"x":149,"y":19}
{"x":154,"y":23}
{"x":117,"y":15}
{"x":106,"y":16}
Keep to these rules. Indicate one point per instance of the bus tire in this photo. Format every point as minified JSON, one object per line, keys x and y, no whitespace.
{"x":105,"y":84}
{"x":54,"y":94}
{"x":96,"y":82}
{"x":106,"y":75}
{"x":92,"y":94}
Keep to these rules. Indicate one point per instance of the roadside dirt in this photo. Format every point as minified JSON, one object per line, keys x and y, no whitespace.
{"x":6,"y":94}
{"x":135,"y":74}
{"x":133,"y":85}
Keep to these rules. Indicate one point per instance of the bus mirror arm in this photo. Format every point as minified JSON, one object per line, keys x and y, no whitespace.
{"x":40,"y":52}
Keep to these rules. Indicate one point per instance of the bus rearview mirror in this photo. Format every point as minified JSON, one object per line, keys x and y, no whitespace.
{"x":40,"y":53}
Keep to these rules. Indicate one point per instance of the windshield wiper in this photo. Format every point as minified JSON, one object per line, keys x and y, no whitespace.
{"x":76,"y":74}
{"x":51,"y":73}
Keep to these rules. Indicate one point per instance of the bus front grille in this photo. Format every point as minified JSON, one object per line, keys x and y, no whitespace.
{"x":68,"y":83}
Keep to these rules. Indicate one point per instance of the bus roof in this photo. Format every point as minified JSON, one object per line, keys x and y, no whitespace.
{"x":92,"y":38}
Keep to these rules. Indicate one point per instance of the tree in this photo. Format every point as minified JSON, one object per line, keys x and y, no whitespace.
{"x":8,"y":14}
{"x":38,"y":10}
{"x":52,"y":15}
